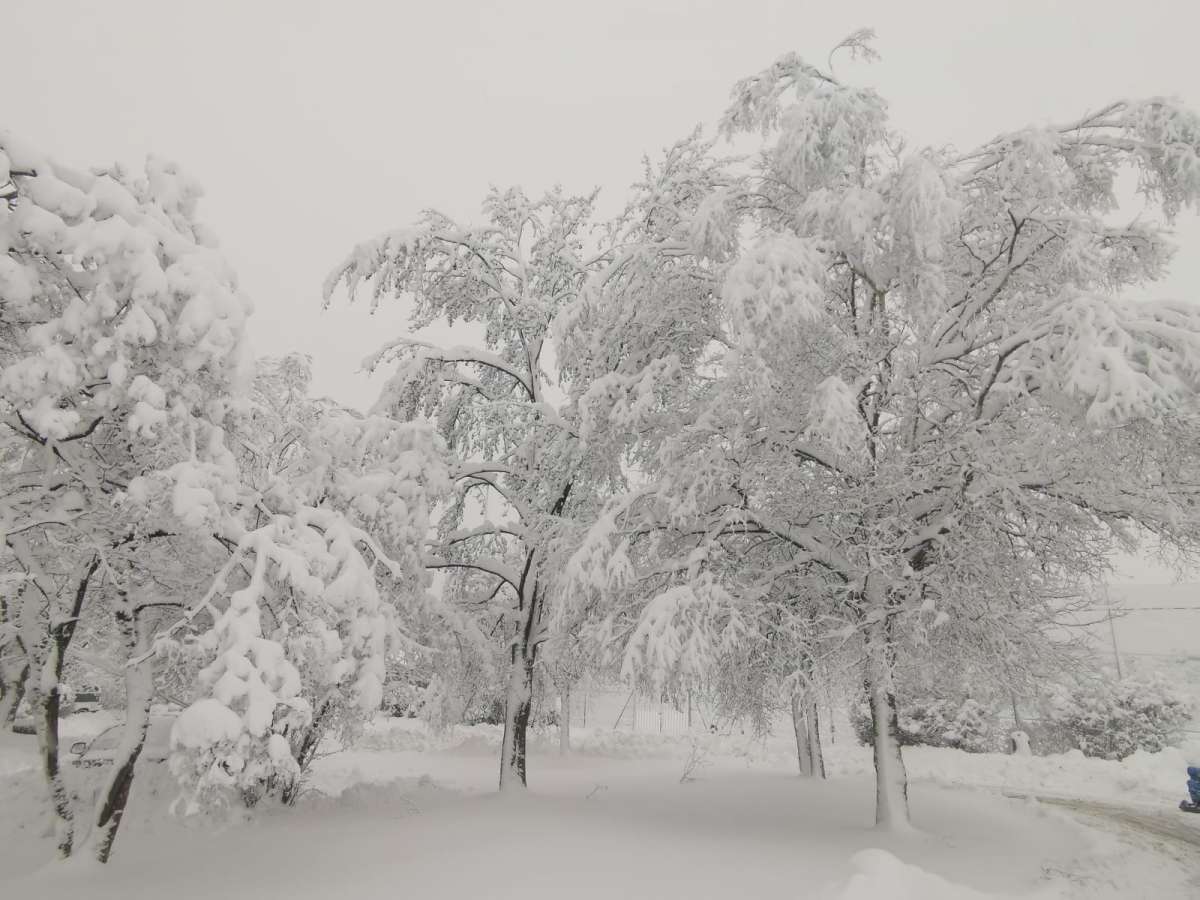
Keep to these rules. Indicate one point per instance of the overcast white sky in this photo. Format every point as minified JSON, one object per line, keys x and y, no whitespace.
{"x":313,"y":125}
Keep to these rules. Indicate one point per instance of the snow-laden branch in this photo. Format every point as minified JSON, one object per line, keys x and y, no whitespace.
{"x":482,"y":564}
{"x":424,"y":351}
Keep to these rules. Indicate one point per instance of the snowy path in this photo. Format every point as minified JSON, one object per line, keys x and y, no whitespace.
{"x":406,"y":814}
{"x":1175,"y":825}
{"x":730,"y":833}
{"x":1138,"y":852}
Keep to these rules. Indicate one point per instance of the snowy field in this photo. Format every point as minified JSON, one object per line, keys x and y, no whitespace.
{"x":408,"y":813}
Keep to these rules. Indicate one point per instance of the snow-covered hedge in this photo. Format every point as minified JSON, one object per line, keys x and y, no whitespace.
{"x":938,"y":722}
{"x":1114,"y":719}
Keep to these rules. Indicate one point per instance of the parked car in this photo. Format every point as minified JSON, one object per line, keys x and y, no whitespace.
{"x":101,"y":749}
{"x":87,"y":700}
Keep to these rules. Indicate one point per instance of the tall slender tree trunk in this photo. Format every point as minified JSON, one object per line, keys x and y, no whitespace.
{"x":518,"y":700}
{"x":800,"y":727}
{"x":564,"y":719}
{"x":891,"y":778}
{"x":48,"y":650}
{"x":46,"y":702}
{"x":805,"y":724}
{"x":812,"y":723}
{"x":139,"y":689}
{"x":12,"y":692}
{"x":14,"y":662}
{"x":1017,"y":723}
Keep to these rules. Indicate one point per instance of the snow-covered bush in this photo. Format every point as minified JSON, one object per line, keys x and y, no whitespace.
{"x":973,"y":728}
{"x":402,"y":697}
{"x":925,"y":721}
{"x":937,"y":722}
{"x":1114,"y":719}
{"x":292,"y":639}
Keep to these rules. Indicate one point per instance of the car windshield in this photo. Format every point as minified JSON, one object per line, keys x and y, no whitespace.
{"x":87,"y":697}
{"x":158,"y":736}
{"x":107,"y":740}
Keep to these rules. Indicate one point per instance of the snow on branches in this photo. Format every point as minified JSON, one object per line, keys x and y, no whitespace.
{"x":121,"y":352}
{"x":928,"y":364}
{"x":328,"y":558}
{"x":121,"y":346}
{"x":324,"y":614}
{"x":116,"y":297}
{"x":773,"y":287}
{"x":518,"y":462}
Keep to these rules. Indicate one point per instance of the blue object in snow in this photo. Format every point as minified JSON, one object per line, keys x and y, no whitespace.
{"x":1193,"y":783}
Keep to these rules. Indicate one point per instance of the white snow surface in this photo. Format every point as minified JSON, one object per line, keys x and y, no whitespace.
{"x":411,"y":812}
{"x":204,"y":723}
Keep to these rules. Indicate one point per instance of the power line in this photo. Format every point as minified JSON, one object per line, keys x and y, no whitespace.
{"x":1132,"y":609}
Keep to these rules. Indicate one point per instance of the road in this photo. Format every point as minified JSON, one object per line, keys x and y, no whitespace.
{"x":1169,"y":823}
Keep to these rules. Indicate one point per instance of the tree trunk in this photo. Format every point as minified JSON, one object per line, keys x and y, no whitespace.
{"x":517,"y":706}
{"x":47,"y":650}
{"x":564,"y":719}
{"x":11,"y":694}
{"x":803,"y":746}
{"x":14,"y":664}
{"x":518,"y":700}
{"x":46,"y":707}
{"x":305,"y":753}
{"x":814,"y":738}
{"x":139,"y":692}
{"x":891,"y":779}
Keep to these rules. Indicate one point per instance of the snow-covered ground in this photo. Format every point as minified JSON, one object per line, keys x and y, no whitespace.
{"x":409,"y":813}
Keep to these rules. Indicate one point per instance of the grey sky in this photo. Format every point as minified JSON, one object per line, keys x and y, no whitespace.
{"x":315,"y":125}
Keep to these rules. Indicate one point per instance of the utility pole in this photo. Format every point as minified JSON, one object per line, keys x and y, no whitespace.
{"x":1112,"y":632}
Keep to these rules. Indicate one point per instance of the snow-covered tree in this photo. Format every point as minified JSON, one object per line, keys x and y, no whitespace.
{"x":518,"y":463}
{"x":320,"y":585}
{"x":931,"y":380}
{"x":122,"y":371}
{"x":120,"y":338}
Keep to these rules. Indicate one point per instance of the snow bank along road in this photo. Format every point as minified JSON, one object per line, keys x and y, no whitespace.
{"x":1174,"y":825}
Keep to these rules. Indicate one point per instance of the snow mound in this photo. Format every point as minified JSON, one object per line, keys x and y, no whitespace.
{"x":881,"y":876}
{"x":205,"y":723}
{"x":17,"y":753}
{"x":397,"y":794}
{"x":1141,"y":779}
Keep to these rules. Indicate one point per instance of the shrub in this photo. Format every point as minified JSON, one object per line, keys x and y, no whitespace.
{"x":1113,"y":719}
{"x":936,"y":722}
{"x":973,"y":728}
